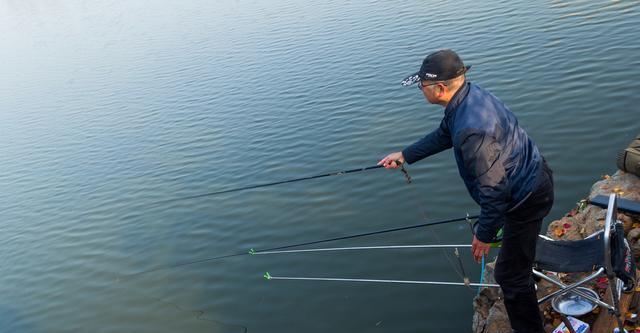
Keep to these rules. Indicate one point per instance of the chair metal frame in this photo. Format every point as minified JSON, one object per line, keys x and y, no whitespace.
{"x":615,"y":284}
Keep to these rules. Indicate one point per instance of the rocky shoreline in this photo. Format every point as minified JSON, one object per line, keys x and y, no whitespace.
{"x":490,"y":315}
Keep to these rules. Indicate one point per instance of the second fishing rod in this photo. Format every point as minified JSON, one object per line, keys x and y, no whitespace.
{"x":252,"y":251}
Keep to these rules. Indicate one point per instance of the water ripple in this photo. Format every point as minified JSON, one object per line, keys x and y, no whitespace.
{"x":115,"y":107}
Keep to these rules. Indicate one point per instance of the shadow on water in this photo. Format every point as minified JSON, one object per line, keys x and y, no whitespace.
{"x":166,"y":306}
{"x":200,"y":315}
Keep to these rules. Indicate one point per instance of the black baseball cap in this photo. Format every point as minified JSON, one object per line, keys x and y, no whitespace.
{"x":438,"y":66}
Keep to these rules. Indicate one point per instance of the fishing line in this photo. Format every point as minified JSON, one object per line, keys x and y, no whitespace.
{"x":250,"y":187}
{"x":464,"y":278}
{"x":193,"y":262}
{"x":421,"y":200}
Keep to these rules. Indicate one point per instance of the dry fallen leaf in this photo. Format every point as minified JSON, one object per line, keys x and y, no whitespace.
{"x":558,"y":232}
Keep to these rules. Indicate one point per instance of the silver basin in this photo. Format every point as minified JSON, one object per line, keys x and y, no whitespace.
{"x":571,"y":304}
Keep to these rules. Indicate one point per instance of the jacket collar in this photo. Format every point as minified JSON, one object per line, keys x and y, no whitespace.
{"x":458,"y":98}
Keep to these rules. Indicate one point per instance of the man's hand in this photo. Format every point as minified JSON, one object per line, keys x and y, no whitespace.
{"x":478,"y":249}
{"x":392,"y":161}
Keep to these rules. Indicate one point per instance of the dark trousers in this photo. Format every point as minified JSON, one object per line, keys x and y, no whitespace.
{"x":513,"y":267}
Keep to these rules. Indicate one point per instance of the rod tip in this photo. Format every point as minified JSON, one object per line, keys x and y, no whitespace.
{"x":267,"y":276}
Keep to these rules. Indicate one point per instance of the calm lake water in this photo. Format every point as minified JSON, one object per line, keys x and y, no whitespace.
{"x":109,"y":107}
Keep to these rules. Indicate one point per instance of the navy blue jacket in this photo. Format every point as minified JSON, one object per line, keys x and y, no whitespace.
{"x":496,"y":159}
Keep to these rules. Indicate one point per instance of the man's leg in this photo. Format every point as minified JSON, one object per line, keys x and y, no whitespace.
{"x":513,"y":267}
{"x":513,"y":273}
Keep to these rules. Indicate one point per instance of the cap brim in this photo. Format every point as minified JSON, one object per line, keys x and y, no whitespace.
{"x":411,"y":79}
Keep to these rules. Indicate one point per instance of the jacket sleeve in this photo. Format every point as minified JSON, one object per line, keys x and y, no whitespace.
{"x":481,"y":157}
{"x":432,"y":143}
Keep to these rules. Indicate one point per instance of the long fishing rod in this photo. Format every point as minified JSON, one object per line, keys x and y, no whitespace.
{"x":250,"y":187}
{"x":383,"y":247}
{"x":429,"y":224}
{"x":466,"y":282}
{"x":356,"y":248}
{"x":440,"y":283}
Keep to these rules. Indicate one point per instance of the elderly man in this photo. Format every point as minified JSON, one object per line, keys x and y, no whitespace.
{"x":502,"y":169}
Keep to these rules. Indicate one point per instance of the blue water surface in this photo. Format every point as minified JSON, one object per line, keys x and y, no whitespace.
{"x":108,"y":107}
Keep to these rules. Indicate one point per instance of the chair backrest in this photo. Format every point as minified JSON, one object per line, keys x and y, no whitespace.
{"x":582,"y":255}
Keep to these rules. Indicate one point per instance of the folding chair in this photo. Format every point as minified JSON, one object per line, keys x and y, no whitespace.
{"x":604,"y":253}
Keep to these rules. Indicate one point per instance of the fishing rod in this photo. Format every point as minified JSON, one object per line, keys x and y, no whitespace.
{"x":466,"y":282}
{"x":351,"y":248}
{"x":268,"y":276}
{"x":250,"y":187}
{"x":199,"y":261}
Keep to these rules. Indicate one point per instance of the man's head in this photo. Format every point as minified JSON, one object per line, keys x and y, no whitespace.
{"x":439,"y":77}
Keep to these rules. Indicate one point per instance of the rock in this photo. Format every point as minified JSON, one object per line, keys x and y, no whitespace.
{"x":483,"y":302}
{"x":567,"y":228}
{"x":627,"y":222}
{"x":489,"y":268}
{"x":634,"y":241}
{"x":594,"y":217}
{"x":625,"y":184}
{"x":497,"y":321}
{"x":490,"y":315}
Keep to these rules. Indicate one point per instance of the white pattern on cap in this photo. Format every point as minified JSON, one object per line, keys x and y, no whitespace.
{"x":411,"y":80}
